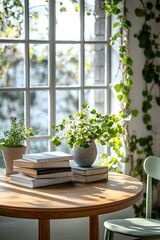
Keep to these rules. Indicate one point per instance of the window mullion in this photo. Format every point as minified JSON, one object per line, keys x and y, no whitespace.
{"x":52,"y":68}
{"x":82,"y":47}
{"x":27,"y":70}
{"x":108,"y":64}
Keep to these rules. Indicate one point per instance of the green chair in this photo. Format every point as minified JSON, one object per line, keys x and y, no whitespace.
{"x":141,"y":228}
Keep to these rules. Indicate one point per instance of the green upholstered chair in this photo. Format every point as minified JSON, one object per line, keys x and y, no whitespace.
{"x":141,"y":228}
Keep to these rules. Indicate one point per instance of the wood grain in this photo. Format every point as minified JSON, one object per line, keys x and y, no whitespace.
{"x":70,"y":200}
{"x":44,"y":229}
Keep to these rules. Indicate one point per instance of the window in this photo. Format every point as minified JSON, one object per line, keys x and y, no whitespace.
{"x":54,"y":56}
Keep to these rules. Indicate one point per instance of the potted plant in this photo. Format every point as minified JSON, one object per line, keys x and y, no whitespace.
{"x":12,"y":142}
{"x":83,"y":129}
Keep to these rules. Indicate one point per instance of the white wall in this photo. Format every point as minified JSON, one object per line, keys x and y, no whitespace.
{"x":137,"y":126}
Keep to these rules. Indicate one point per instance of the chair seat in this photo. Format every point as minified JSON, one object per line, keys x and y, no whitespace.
{"x":138,"y":227}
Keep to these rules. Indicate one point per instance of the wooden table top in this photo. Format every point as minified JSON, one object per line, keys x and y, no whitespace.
{"x":69,"y":200}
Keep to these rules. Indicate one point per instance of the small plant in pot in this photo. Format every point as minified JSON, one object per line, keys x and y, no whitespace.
{"x":12,"y":142}
{"x":83,"y":129}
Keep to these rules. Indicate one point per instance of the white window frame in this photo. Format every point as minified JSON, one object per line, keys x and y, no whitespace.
{"x":52,"y":67}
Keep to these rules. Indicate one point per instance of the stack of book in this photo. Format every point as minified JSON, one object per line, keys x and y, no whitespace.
{"x":89,"y":174}
{"x":42,"y":169}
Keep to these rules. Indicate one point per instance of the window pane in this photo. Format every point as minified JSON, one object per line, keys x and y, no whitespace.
{"x":94,"y":22}
{"x":67,"y":103}
{"x":67,"y":22}
{"x":2,"y":164}
{"x":11,"y":65}
{"x":74,"y":73}
{"x":95,"y":64}
{"x":38,"y":146}
{"x":38,"y":12}
{"x":39,"y":111}
{"x":12,"y":19}
{"x":39,"y":65}
{"x":67,"y":64}
{"x":96,"y":98}
{"x":11,"y":104}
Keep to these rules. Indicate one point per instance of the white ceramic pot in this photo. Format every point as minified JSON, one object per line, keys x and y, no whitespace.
{"x":10,"y":154}
{"x":85,"y":157}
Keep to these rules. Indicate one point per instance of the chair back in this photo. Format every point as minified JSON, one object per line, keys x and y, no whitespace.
{"x":152,"y":168}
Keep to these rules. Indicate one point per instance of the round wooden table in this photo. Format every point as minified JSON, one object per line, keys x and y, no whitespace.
{"x":69,"y":200}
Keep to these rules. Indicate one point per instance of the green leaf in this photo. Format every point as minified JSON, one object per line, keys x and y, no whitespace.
{"x":157,"y":19}
{"x":120,"y":97}
{"x":158,"y":54}
{"x":127,"y":60}
{"x":93,"y":111}
{"x":63,"y":9}
{"x":35,"y":16}
{"x":115,"y":10}
{"x":104,"y":156}
{"x":142,"y":142}
{"x":76,"y":8}
{"x":148,"y":17}
{"x":85,"y":106}
{"x":145,"y":93}
{"x":146,"y":118}
{"x":116,"y":2}
{"x":149,"y":5}
{"x":118,"y":87}
{"x":127,"y":24}
{"x":135,"y":112}
{"x":158,"y":101}
{"x":107,"y":7}
{"x":146,"y":106}
{"x":116,"y":24}
{"x":129,"y":71}
{"x":158,"y":5}
{"x":158,"y":68}
{"x":149,"y":97}
{"x":56,"y":141}
{"x":129,"y":82}
{"x":122,"y":49}
{"x":139,"y":12}
{"x":70,"y":117}
{"x":149,"y":127}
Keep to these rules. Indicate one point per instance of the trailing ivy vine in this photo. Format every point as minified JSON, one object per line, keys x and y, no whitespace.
{"x":149,"y":42}
{"x":137,"y":149}
{"x":118,"y":9}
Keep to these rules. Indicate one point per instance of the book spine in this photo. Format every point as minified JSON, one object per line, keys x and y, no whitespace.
{"x":54,"y":175}
{"x":33,"y":165}
{"x":54,"y":181}
{"x":52,"y":170}
{"x":55,"y":159}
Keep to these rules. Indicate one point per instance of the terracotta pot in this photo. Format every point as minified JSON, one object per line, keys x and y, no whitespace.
{"x":10,"y":154}
{"x":85,"y":157}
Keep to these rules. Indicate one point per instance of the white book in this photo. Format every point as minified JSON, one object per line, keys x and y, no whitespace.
{"x":47,"y":156}
{"x":44,"y":172}
{"x":87,"y":171}
{"x":45,"y":164}
{"x":33,"y":173}
{"x":30,"y":182}
{"x":91,"y":178}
